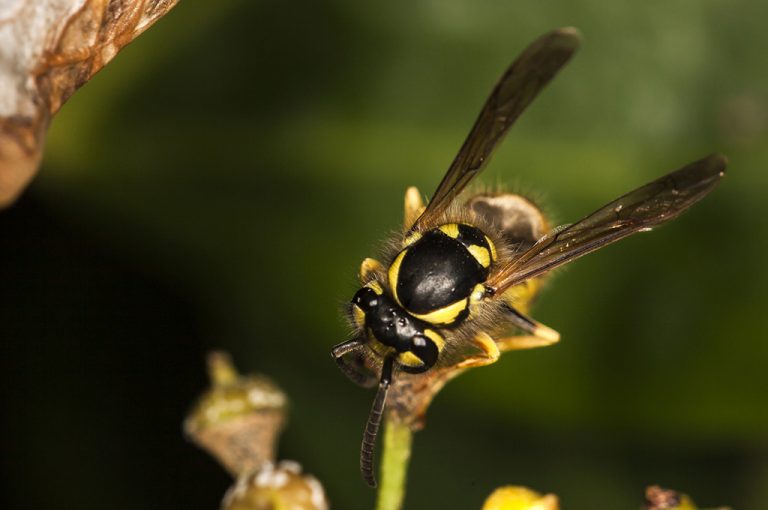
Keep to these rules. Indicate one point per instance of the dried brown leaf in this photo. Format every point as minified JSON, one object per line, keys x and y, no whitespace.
{"x":49,"y":49}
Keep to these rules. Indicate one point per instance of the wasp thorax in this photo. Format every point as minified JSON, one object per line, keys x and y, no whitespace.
{"x":437,"y":273}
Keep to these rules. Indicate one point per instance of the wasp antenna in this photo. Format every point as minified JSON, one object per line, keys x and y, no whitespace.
{"x":374,"y":421}
{"x":369,"y":437}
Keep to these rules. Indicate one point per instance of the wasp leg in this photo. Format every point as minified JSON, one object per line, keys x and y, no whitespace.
{"x":414,"y":206}
{"x":517,"y":343}
{"x":490,"y":352}
{"x":544,"y":334}
{"x":374,"y":421}
{"x":354,"y":369}
{"x":367,"y":268}
{"x":538,"y":335}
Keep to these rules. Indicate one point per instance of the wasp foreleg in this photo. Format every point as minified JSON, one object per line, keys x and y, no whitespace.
{"x":353,"y":368}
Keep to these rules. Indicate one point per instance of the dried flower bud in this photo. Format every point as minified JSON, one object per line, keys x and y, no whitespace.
{"x":238,"y":420}
{"x":657,"y":498}
{"x":520,"y":498}
{"x":276,"y":488}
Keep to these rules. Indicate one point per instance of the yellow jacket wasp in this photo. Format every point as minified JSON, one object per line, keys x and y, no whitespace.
{"x":450,"y":281}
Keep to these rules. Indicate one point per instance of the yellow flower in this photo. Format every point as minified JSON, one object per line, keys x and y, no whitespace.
{"x":520,"y":498}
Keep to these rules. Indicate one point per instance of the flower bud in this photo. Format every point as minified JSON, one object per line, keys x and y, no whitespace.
{"x":239,"y":419}
{"x":276,"y":488}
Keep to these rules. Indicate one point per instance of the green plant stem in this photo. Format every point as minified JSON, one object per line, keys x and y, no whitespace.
{"x":394,"y":465}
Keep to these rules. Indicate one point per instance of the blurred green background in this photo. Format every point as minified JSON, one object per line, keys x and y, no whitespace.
{"x":217,"y":185}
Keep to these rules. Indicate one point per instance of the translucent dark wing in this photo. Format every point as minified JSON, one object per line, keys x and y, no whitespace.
{"x":519,"y":85}
{"x":641,"y":209}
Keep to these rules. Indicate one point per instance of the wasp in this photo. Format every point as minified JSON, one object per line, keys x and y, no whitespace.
{"x":452,"y":279}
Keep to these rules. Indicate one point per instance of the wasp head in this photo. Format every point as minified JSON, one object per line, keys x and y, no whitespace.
{"x":391,"y":331}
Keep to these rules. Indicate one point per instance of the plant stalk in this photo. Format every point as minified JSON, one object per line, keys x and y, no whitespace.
{"x":395,"y":456}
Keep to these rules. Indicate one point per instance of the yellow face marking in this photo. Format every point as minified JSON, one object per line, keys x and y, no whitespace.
{"x":482,"y":255}
{"x":409,"y":359}
{"x":394,"y":269}
{"x":451,"y":230}
{"x":493,"y":248}
{"x":445,"y":315}
{"x":438,"y":340}
{"x":376,"y":287}
{"x":410,"y":239}
{"x":358,"y":315}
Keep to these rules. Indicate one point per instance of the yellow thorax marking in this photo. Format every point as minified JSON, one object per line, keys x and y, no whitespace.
{"x":482,"y":255}
{"x":394,"y":269}
{"x":450,"y":229}
{"x":493,"y":247}
{"x":444,"y":315}
{"x":478,"y":293}
{"x":411,"y":238}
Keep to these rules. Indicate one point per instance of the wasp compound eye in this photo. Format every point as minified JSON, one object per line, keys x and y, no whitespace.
{"x":366,"y":298}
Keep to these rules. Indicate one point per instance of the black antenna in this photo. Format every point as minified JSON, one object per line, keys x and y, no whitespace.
{"x":374,"y":420}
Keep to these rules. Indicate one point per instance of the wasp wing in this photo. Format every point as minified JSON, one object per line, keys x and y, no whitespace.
{"x":519,"y":85}
{"x":638,"y":210}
